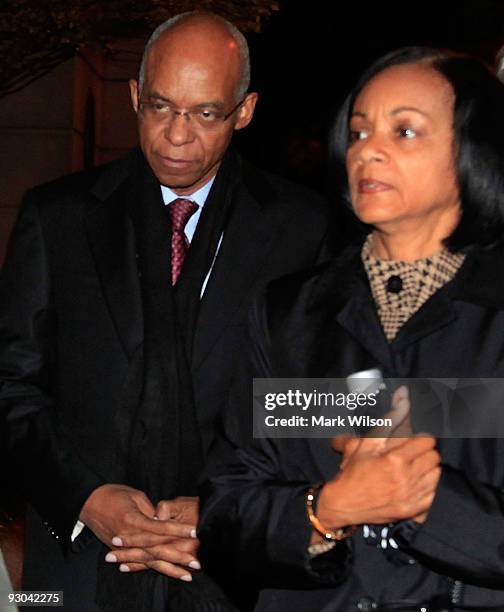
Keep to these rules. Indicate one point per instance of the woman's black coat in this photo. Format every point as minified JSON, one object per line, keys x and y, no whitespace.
{"x":324,"y":324}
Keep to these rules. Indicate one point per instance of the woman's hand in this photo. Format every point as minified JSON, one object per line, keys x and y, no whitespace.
{"x":382,"y":479}
{"x":389,"y":435}
{"x":382,"y":485}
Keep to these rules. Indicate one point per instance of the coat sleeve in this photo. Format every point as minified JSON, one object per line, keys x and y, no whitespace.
{"x":463,"y":536}
{"x":253,"y":519}
{"x":38,"y":457}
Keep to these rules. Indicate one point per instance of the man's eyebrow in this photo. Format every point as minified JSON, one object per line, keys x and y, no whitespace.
{"x":154,"y":95}
{"x":211,"y":104}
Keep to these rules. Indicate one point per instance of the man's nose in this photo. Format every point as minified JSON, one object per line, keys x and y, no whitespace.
{"x":179,"y":129}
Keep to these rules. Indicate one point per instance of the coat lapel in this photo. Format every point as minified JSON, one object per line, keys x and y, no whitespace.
{"x":248,"y":238}
{"x":343,"y":297}
{"x":111,"y":239}
{"x":438,"y":312}
{"x":479,"y":281}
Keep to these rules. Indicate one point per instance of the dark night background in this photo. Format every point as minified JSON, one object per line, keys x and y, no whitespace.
{"x":304,"y":61}
{"x":308,"y":55}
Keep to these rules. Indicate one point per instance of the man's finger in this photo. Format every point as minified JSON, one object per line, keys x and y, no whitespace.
{"x":129,"y":555}
{"x":132,"y":567}
{"x":165,"y":552}
{"x":189,"y":545}
{"x":140,"y":524}
{"x":146,"y":540}
{"x":184,"y":509}
{"x":169,"y":569}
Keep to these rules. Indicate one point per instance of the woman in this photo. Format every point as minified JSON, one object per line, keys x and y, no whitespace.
{"x":408,"y":526}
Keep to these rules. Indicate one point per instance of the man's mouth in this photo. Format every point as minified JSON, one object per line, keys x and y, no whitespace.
{"x":176,"y":163}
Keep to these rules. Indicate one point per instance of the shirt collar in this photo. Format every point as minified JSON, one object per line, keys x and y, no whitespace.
{"x":415,"y":282}
{"x":199,"y":196}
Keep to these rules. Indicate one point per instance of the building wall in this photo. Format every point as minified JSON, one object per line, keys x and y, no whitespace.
{"x":106,"y":81}
{"x":35,"y":137}
{"x":45,"y":127}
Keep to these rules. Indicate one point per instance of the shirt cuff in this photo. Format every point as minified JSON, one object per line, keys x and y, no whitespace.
{"x":77,"y":530}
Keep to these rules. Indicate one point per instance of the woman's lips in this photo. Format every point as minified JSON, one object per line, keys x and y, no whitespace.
{"x":368,"y":185}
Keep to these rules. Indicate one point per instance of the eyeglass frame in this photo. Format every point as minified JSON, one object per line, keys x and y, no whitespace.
{"x":187,"y":113}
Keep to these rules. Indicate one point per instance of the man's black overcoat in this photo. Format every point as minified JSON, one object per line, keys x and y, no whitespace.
{"x":71,"y":325}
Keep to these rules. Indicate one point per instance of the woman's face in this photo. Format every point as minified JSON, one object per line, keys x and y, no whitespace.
{"x":400,"y":160}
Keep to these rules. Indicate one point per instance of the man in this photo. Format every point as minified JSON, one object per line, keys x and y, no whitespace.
{"x":119,"y":341}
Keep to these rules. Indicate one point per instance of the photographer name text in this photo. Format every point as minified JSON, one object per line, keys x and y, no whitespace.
{"x":352,"y":420}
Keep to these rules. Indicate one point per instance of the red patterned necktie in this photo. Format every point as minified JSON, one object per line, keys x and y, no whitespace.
{"x":180,"y":211}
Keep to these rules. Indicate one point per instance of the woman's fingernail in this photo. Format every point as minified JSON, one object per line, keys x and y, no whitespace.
{"x":124,"y":568}
{"x":111,"y":558}
{"x":193,"y":533}
{"x":186,"y":578}
{"x":195,"y":565}
{"x":117,"y":541}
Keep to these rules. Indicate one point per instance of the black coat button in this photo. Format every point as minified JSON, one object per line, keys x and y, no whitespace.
{"x":394,"y":284}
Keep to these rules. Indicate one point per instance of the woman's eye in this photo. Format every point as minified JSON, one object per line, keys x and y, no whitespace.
{"x":356,"y":135}
{"x":406,"y":132}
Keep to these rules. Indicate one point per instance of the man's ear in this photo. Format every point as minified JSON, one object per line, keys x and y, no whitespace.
{"x":133,"y":85}
{"x":246,"y":111}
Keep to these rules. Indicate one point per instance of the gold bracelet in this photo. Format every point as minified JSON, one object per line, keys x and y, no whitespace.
{"x":334,"y":535}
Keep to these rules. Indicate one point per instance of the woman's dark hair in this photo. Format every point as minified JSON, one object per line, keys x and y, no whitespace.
{"x":478,"y":128}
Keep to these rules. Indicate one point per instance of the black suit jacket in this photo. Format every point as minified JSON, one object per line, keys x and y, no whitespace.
{"x":71,"y":328}
{"x":324,"y":323}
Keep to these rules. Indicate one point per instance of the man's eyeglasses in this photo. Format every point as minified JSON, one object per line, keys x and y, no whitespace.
{"x":205,"y":118}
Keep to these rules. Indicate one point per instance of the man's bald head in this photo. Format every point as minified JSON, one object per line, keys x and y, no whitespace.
{"x":203,"y":27}
{"x":191,"y":98}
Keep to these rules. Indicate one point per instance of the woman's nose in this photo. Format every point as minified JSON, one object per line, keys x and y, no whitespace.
{"x":373,"y":148}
